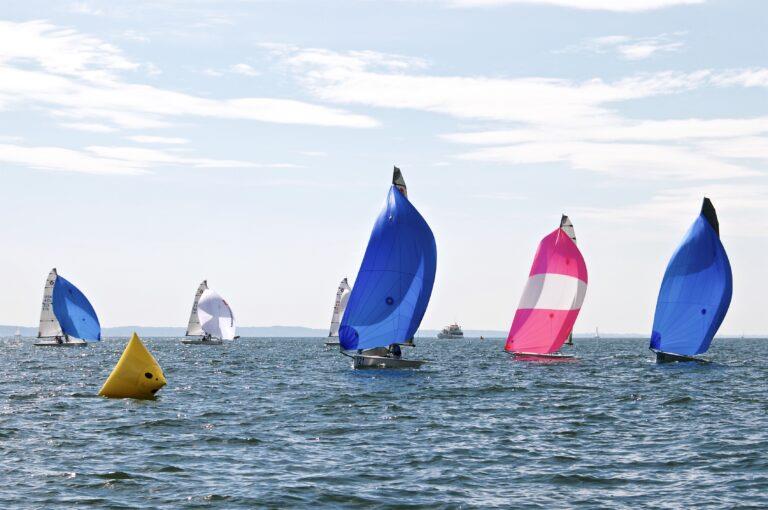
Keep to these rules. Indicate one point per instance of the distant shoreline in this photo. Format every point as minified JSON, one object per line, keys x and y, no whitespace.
{"x":304,"y":332}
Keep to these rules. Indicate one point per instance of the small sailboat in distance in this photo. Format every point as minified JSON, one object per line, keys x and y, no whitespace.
{"x":342,"y":297}
{"x":67,"y":318}
{"x":393,"y":286}
{"x":551,"y":299}
{"x":17,"y":335}
{"x":695,"y":293}
{"x":211,"y":320}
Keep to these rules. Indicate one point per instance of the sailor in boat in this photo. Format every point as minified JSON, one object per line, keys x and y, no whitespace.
{"x":395,"y":352}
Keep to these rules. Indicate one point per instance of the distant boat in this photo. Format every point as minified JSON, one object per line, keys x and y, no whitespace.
{"x":452,"y":332}
{"x":66,"y":317}
{"x":552,"y":298}
{"x":342,"y":297}
{"x":393,"y":286}
{"x":597,"y":334}
{"x":211,"y":319}
{"x":695,"y":293}
{"x":17,"y":336}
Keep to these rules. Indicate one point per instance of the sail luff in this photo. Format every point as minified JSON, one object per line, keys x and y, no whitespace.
{"x":49,"y":326}
{"x":193,"y":327}
{"x":342,"y":298}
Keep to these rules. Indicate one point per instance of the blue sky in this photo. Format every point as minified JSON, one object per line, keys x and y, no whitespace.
{"x":146,"y":145}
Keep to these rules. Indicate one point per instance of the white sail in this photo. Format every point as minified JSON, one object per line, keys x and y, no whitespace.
{"x":216,"y":316}
{"x":49,"y":325}
{"x":342,"y":296}
{"x":193,"y":328}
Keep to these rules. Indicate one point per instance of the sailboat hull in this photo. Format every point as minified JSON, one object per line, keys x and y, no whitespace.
{"x":54,"y":343}
{"x":535,"y":355}
{"x":361,"y":362}
{"x":200,"y":341}
{"x":332,"y":343}
{"x":669,"y":357}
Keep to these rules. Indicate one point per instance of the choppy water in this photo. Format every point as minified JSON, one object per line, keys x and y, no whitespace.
{"x":285,"y":423}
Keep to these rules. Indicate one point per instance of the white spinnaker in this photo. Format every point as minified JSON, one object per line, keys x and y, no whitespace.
{"x":193,"y":328}
{"x":342,"y":297}
{"x":49,"y":324}
{"x":216,"y":316}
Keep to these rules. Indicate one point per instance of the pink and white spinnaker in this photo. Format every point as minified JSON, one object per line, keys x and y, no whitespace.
{"x":552,"y":297}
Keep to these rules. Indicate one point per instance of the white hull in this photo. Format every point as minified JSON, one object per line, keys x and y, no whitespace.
{"x":535,"y":355}
{"x":200,"y":341}
{"x":332,"y":343}
{"x":361,"y":361}
{"x":54,"y":343}
{"x":448,"y":336}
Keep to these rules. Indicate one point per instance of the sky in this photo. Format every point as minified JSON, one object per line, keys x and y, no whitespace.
{"x":148,"y":145}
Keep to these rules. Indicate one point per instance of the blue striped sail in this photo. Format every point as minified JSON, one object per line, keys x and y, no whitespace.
{"x":74,"y":312}
{"x":395,"y":280}
{"x":696,"y":290}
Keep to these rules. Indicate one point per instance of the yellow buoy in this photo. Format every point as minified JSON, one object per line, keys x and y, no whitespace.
{"x":136,"y":375}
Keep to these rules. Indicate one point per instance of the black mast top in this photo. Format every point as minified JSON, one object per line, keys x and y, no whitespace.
{"x":709,"y":213}
{"x":399,"y":182}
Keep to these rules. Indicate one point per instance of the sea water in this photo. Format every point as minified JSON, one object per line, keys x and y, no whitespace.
{"x":287,"y":423}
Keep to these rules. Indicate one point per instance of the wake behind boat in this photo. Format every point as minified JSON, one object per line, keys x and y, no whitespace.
{"x":552,"y":298}
{"x":393,"y":285}
{"x":67,"y":318}
{"x":695,"y":293}
{"x":211,"y":320}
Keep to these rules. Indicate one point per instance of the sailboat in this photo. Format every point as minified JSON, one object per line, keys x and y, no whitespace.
{"x":552,"y":297}
{"x":211,"y":321}
{"x":17,"y":335}
{"x":342,"y":297}
{"x":597,"y":333}
{"x":393,"y":286}
{"x":67,"y":318}
{"x":695,"y":293}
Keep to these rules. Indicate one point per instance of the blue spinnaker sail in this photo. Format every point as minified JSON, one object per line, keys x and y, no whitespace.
{"x":74,"y":312}
{"x":696,"y":290}
{"x":395,"y":280}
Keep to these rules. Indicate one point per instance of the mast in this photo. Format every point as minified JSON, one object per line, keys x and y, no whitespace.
{"x":49,"y":324}
{"x":399,"y":182}
{"x":567,"y":226}
{"x":193,"y":327}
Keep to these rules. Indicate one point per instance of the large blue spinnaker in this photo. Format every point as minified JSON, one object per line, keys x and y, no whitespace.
{"x":395,"y":280}
{"x":74,"y":312}
{"x":696,"y":290}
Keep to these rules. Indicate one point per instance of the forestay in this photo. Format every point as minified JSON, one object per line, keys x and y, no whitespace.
{"x":216,"y":318}
{"x":395,"y":280}
{"x":193,"y":327}
{"x":342,"y":298}
{"x":552,"y":297}
{"x":696,"y":290}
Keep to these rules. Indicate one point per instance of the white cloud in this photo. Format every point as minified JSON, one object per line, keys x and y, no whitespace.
{"x":110,"y":160}
{"x":244,"y":69}
{"x":80,"y":77}
{"x":741,"y":208}
{"x":631,"y":48}
{"x":556,"y":120}
{"x":91,"y":127}
{"x":158,"y":139}
{"x":603,"y":5}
